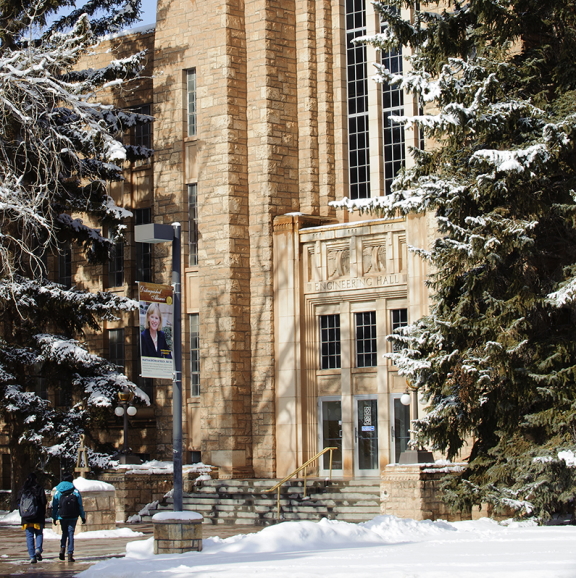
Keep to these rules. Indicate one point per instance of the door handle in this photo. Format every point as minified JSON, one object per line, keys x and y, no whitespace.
{"x":356,"y":434}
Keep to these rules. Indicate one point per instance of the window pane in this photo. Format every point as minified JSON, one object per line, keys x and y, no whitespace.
{"x":194,"y":323}
{"x":357,"y":85}
{"x":65,"y":265}
{"x":143,"y":250}
{"x":192,"y":225}
{"x":191,"y":100}
{"x":399,"y":319}
{"x":116,"y":265}
{"x":366,"y":339}
{"x":329,"y":341}
{"x":392,"y":105}
{"x":116,"y":347}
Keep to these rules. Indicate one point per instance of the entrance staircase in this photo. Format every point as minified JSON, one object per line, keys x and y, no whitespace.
{"x":243,"y":501}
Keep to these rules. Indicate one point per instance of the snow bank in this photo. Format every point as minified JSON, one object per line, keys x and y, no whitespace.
{"x":385,"y":546}
{"x":84,"y":485}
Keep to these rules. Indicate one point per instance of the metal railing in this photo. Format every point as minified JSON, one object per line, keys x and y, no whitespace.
{"x":304,"y":467}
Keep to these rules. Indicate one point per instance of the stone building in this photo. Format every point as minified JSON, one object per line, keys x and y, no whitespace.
{"x":265,"y":112}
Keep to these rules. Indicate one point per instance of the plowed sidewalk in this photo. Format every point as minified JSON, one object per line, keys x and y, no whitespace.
{"x":14,"y":556}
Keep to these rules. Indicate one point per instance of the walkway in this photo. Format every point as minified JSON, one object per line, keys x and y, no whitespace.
{"x":14,"y":556}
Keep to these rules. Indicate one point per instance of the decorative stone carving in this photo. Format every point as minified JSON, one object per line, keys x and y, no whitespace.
{"x":374,"y":258}
{"x":312,"y":269}
{"x":338,"y":262}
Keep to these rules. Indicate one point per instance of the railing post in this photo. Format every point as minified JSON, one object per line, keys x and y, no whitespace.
{"x":278,"y":504}
{"x":305,"y":477}
{"x":331,"y":451}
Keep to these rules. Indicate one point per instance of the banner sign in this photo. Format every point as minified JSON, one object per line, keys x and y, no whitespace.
{"x":156,"y":325}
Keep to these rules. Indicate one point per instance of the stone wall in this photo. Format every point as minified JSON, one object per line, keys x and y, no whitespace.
{"x":413,"y":491}
{"x":100,"y":509}
{"x":135,"y":490}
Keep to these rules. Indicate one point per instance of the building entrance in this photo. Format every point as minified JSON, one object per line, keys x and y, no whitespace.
{"x":366,"y":463}
{"x":330,"y":414}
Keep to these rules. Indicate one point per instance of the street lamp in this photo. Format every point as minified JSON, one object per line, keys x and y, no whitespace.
{"x":125,"y":409}
{"x":157,"y":233}
{"x":410,"y":455}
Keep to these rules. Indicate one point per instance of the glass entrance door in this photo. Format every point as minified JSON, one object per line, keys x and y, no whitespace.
{"x":400,"y":429}
{"x":366,"y":436}
{"x":330,"y":413}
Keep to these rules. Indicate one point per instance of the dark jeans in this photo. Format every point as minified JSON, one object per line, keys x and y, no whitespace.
{"x":34,"y":539}
{"x":68,"y":527}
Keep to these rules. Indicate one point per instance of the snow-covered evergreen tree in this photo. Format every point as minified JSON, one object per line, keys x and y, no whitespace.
{"x":58,"y":150}
{"x":496,"y":358}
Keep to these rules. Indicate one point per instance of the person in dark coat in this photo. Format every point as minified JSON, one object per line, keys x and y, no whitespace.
{"x":68,"y":524}
{"x":34,"y":527}
{"x":153,"y":341}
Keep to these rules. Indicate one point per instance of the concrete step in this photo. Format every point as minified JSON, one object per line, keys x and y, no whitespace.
{"x":245,"y":502}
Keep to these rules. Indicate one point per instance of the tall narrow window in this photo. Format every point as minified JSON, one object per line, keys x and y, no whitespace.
{"x":192,"y":225}
{"x":116,"y":347}
{"x":392,"y":105}
{"x":142,"y":135}
{"x":143,"y":132}
{"x":366,"y":339}
{"x":65,"y":265}
{"x":116,"y":265}
{"x":399,"y":318}
{"x":143,"y":250}
{"x":329,"y":341}
{"x":191,"y":101}
{"x":194,"y":354}
{"x":357,"y":83}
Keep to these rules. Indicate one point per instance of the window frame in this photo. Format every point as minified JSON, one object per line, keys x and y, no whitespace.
{"x":366,"y":346}
{"x":357,"y":89}
{"x":330,"y":338}
{"x":143,"y":253}
{"x":116,"y":264}
{"x":192,"y":189}
{"x":402,"y":312}
{"x":191,"y":103}
{"x":194,"y":343}
{"x":117,"y":347}
{"x":65,"y":274}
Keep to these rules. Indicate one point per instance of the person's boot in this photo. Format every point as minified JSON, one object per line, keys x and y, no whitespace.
{"x":61,"y":555}
{"x":38,"y":555}
{"x":70,"y":557}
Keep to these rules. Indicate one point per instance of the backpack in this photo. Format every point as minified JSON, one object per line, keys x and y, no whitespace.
{"x":28,"y":506}
{"x":68,"y":506}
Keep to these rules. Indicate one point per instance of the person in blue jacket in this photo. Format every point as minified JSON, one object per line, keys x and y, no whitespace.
{"x":153,"y":340}
{"x":68,"y":524}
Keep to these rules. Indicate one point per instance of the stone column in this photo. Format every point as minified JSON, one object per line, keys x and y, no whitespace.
{"x":177,"y":532}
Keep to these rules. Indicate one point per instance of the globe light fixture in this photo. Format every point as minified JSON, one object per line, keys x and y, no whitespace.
{"x":125,"y":409}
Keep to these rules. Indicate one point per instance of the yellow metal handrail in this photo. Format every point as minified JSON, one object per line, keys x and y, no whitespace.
{"x":298,"y":470}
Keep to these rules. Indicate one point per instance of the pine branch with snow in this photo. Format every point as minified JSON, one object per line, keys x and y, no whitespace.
{"x":60,"y":148}
{"x":495,"y":361}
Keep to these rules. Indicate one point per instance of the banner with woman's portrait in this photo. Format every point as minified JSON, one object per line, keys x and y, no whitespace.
{"x":156,"y":327}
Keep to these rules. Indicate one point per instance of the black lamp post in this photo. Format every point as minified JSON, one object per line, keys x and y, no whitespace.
{"x":125,"y":408}
{"x":159,"y":233}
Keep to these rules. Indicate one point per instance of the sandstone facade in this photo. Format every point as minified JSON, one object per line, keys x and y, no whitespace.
{"x":270,"y":149}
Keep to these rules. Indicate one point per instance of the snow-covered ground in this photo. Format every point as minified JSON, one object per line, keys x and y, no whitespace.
{"x":386,"y":547}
